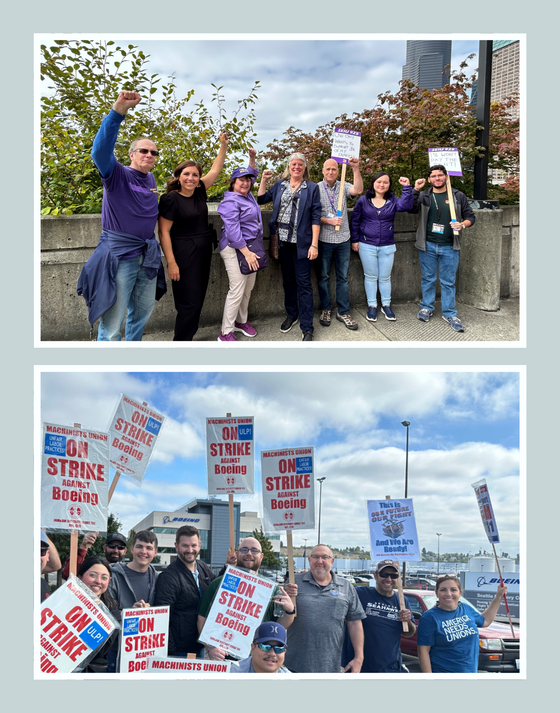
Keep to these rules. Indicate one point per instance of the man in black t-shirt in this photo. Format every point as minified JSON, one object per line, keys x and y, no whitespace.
{"x":437,"y":243}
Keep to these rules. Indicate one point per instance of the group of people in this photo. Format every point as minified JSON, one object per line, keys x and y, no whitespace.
{"x":326,"y":626}
{"x":125,"y":272}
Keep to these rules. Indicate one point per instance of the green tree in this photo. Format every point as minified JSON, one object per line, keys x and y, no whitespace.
{"x":399,"y":129}
{"x":62,"y":544}
{"x":269,"y":558}
{"x":81,"y":80}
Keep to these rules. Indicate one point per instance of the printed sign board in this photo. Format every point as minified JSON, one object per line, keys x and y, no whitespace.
{"x":230,"y":455}
{"x":73,"y":625}
{"x":74,"y":478}
{"x":288,"y":487}
{"x":392,"y":530}
{"x":134,"y":431}
{"x":144,"y":633}
{"x":238,"y":609}
{"x":446,"y":157}
{"x":345,"y":144}
{"x":171,"y":665}
{"x":486,"y":510}
{"x":480,"y":588}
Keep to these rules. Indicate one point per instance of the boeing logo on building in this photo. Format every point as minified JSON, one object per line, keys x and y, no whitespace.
{"x":167,"y":519}
{"x":481,"y":581}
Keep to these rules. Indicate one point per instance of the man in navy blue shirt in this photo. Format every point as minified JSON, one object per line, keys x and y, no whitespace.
{"x":383,"y":623}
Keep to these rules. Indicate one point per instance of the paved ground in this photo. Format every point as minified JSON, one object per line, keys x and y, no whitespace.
{"x":500,"y":326}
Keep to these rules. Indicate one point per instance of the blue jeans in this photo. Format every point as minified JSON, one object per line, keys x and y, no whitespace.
{"x":447,"y":259}
{"x":377,"y":262}
{"x":136,"y":293}
{"x":298,"y":291}
{"x":341,"y":254}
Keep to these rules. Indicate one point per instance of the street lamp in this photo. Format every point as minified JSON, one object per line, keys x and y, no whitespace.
{"x":320,"y":481}
{"x":438,"y":536}
{"x":407,"y":425}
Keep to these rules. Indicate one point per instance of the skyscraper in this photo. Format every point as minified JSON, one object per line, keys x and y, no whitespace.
{"x":426,"y":61}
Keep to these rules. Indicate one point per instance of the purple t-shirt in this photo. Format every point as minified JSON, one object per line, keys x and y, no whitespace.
{"x":130,"y":202}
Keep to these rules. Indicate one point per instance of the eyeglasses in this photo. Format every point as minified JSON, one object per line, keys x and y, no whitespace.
{"x":146,"y":151}
{"x":325,"y":558}
{"x":116,"y":547}
{"x":252,"y":550}
{"x":94,"y":576}
{"x":277,"y":649}
{"x":384,"y":575}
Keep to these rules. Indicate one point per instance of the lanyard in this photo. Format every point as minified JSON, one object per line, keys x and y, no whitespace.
{"x":331,"y":200}
{"x":439,"y":210}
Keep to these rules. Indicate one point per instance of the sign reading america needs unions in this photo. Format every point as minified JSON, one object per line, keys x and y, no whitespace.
{"x":288,"y":487}
{"x":392,"y":530}
{"x":230,"y":455}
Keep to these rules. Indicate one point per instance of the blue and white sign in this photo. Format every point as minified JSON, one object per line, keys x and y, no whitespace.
{"x":392,"y":530}
{"x":288,"y":487}
{"x":230,"y":456}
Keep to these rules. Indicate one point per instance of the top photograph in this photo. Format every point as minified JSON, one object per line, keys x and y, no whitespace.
{"x":276,"y":191}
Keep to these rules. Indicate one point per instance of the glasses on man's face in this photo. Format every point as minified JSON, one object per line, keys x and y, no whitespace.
{"x":94,"y":576}
{"x":277,"y":649}
{"x":116,"y":547}
{"x":146,"y":151}
{"x":252,"y":550}
{"x":385,"y":575}
{"x":325,"y":558}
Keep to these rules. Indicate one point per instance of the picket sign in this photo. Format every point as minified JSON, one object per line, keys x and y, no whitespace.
{"x":117,"y":474}
{"x":400,"y":590}
{"x":345,"y":143}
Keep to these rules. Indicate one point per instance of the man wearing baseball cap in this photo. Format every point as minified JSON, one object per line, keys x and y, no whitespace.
{"x":267,"y":651}
{"x":383,"y":622}
{"x":114,"y":549}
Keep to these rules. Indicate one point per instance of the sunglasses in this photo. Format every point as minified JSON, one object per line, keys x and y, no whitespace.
{"x":116,"y":547}
{"x":384,"y":575}
{"x":146,"y":151}
{"x":277,"y":649}
{"x":44,"y":551}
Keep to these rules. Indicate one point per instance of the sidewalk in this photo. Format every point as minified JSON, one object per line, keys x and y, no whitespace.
{"x":501,"y":326}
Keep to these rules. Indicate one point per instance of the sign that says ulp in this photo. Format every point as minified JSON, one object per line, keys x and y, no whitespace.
{"x":288,"y":487}
{"x":230,"y":455}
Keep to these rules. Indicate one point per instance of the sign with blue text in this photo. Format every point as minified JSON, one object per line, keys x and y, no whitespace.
{"x":288,"y":488}
{"x":486,"y":510}
{"x":392,"y":530}
{"x":230,"y":455}
{"x":144,"y":633}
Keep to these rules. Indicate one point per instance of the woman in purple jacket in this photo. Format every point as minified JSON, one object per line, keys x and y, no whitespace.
{"x":242,"y":225}
{"x":372,"y":229}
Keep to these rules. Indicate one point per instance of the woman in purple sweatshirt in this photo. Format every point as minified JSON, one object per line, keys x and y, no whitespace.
{"x":372,"y":229}
{"x":242,"y":228}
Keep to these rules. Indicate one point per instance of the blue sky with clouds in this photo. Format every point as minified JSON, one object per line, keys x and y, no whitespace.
{"x":464,"y":426}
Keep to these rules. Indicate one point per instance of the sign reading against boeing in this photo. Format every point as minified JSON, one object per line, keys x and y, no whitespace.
{"x":288,"y":488}
{"x":230,"y":455}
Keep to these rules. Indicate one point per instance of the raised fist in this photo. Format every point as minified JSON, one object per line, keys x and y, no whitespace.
{"x":419,"y":184}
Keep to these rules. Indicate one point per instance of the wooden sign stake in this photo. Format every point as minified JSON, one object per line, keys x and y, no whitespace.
{"x":340,"y":195}
{"x":451,"y":203}
{"x":74,"y":540}
{"x":400,"y":589}
{"x":505,"y":598}
{"x":290,"y":544}
{"x":231,"y":518}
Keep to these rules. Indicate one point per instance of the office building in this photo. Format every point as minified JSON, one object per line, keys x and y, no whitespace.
{"x":426,"y":62}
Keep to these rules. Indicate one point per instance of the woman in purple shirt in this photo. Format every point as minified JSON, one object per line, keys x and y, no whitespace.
{"x":372,"y":229}
{"x":242,"y":227}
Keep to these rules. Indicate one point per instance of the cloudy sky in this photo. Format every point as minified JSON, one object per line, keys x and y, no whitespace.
{"x":303,"y":83}
{"x":464,"y":426}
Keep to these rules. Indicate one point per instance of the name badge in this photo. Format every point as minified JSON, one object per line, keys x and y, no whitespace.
{"x":437,"y":228}
{"x":330,"y":215}
{"x":334,"y":592}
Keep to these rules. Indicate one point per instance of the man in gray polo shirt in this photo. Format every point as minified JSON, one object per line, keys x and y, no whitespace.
{"x":335,"y":244}
{"x":324,"y":603}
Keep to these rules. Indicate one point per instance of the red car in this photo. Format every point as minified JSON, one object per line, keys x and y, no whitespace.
{"x":498,"y":652}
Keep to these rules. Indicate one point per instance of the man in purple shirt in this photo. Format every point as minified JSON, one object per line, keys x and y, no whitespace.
{"x":122,"y":273}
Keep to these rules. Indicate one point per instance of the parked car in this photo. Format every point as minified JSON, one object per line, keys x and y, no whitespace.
{"x":420,"y":583}
{"x":498,"y":651}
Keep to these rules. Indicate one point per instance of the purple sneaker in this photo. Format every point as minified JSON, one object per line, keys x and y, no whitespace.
{"x":246,"y":329}
{"x":227,"y":337}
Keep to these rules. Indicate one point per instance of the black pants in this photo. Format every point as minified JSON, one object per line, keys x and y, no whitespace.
{"x":193,"y":257}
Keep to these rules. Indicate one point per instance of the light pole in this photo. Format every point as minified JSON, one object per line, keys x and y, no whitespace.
{"x":320,"y":481}
{"x":438,"y":536}
{"x":407,"y":425}
{"x":305,"y":548}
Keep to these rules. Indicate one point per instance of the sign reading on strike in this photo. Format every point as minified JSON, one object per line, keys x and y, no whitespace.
{"x":486,"y":510}
{"x":446,"y":157}
{"x":144,"y":633}
{"x":73,"y":625}
{"x":237,"y":610}
{"x":170,"y":665}
{"x":345,"y":144}
{"x":392,"y":530}
{"x":288,"y":488}
{"x":74,"y":474}
{"x":230,"y":455}
{"x":134,"y":431}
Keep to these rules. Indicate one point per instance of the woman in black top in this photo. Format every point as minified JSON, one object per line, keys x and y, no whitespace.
{"x":186,"y":239}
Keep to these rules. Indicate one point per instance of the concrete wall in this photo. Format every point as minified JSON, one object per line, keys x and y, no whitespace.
{"x":488,"y":270}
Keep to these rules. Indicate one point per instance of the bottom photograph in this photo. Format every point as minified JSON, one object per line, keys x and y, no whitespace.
{"x":301,"y":524}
